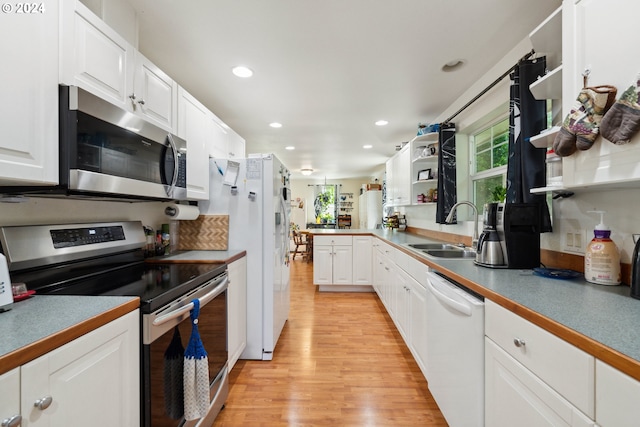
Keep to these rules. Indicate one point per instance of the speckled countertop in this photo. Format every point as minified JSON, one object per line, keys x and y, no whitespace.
{"x":582,"y":311}
{"x":42,"y":322}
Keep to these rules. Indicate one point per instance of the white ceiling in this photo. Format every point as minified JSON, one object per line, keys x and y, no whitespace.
{"x":327,"y":70}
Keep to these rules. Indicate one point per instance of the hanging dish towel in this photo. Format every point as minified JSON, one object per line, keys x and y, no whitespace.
{"x":196,"y":372}
{"x":173,"y":377}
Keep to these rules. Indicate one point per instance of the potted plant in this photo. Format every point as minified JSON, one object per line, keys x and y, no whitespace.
{"x":499,"y":193}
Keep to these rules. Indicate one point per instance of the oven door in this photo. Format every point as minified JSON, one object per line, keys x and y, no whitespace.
{"x":166,"y":334}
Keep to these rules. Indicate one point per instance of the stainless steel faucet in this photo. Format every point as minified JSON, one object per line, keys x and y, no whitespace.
{"x":449,"y":219}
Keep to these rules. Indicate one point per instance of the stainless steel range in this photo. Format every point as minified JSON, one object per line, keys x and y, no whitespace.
{"x":107,"y":259}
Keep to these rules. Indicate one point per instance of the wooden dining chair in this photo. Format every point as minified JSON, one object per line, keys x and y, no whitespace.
{"x":299,"y":241}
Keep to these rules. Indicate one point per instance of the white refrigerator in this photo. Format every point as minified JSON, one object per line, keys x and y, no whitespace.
{"x":255,"y":193}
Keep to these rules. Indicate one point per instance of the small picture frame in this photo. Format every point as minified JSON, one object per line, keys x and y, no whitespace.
{"x":424,"y":175}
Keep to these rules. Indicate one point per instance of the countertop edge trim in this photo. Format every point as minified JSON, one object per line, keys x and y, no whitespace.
{"x":41,"y":347}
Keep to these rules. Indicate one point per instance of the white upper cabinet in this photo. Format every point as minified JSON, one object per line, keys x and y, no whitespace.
{"x":219,"y":139}
{"x":195,"y":124}
{"x":607,"y":53}
{"x":235,"y":145}
{"x":154,"y":94}
{"x":97,"y":59}
{"x":94,"y":57}
{"x":29,"y":111}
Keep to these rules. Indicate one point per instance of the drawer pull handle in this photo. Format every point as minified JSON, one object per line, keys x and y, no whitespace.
{"x":519,"y":342}
{"x":43,"y":403}
{"x":12,"y":421}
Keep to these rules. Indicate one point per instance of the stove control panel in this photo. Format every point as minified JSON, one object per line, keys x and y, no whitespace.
{"x":69,"y":237}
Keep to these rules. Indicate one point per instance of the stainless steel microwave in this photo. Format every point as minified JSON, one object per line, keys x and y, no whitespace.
{"x":107,"y":152}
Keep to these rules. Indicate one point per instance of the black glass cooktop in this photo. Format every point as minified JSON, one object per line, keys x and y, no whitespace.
{"x":155,"y":284}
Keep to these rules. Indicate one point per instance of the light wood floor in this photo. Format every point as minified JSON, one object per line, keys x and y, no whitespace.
{"x":339,"y":362}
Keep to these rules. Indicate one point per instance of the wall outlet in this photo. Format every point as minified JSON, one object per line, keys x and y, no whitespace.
{"x":574,"y":241}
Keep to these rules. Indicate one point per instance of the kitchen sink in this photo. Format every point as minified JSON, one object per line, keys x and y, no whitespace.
{"x":450,"y":253}
{"x":430,"y":246}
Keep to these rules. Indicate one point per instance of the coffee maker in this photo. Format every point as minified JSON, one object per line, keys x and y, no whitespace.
{"x":510,"y":236}
{"x":489,"y":250}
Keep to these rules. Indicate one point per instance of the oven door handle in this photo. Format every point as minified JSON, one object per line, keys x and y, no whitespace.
{"x":221,"y":287}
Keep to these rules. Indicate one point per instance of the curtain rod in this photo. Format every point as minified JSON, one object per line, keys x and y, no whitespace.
{"x":488,"y":88}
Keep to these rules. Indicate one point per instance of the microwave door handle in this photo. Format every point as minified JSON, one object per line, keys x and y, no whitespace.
{"x":221,"y":287}
{"x":174,"y":181}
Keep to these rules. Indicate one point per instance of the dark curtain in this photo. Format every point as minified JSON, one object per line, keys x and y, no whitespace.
{"x":446,"y":171}
{"x":527,"y":117}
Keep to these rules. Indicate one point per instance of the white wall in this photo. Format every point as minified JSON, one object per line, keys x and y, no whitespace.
{"x":68,"y":211}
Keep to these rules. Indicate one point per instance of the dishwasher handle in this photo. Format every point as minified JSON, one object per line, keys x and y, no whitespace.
{"x":221,"y":287}
{"x":434,"y":282}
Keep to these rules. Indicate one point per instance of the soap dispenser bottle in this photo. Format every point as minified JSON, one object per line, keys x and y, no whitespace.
{"x":602,"y":259}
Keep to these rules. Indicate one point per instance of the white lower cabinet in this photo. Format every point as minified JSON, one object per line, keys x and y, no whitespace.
{"x":332,"y":261}
{"x":617,"y":398}
{"x":93,"y":380}
{"x":534,"y":378}
{"x":237,"y":310}
{"x":10,"y":401}
{"x":362,"y":259}
{"x":514,"y":396}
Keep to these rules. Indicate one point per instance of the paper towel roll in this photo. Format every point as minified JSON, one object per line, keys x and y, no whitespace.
{"x":182,"y":212}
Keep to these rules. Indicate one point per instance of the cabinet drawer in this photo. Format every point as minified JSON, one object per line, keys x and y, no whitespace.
{"x":332,"y":240}
{"x":565,"y":368}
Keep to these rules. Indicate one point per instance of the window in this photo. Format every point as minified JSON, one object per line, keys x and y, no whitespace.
{"x":490,"y":152}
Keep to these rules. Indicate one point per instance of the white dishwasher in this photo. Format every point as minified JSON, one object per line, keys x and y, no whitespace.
{"x":455,"y":351}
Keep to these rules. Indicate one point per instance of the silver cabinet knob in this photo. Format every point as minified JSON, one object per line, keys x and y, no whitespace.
{"x":141,"y":102}
{"x":132,"y":97}
{"x":43,"y":403}
{"x":519,"y":342}
{"x":12,"y":421}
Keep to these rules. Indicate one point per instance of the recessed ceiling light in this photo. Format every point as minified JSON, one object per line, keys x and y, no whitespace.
{"x":275,"y":125}
{"x":242,"y":71}
{"x":453,"y":65}
{"x":382,"y":123}
{"x":290,"y":147}
{"x":366,"y":147}
{"x":306,"y":172}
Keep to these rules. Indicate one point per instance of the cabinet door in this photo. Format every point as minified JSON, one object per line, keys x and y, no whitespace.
{"x":400,"y":285}
{"x":94,"y":56}
{"x":219,"y":140}
{"x":362,"y":260}
{"x":194,"y":125}
{"x":237,"y":314}
{"x":93,"y":380}
{"x":516,"y":397}
{"x":342,"y":265}
{"x":322,"y":264}
{"x":10,"y":392}
{"x":236,"y":145}
{"x":417,"y":320}
{"x":155,"y":94}
{"x":617,"y":397}
{"x":29,"y":107}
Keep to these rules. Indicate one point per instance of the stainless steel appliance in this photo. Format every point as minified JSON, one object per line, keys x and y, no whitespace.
{"x":106,"y":259}
{"x":108,"y":152}
{"x":510,"y":237}
{"x":489,"y":252}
